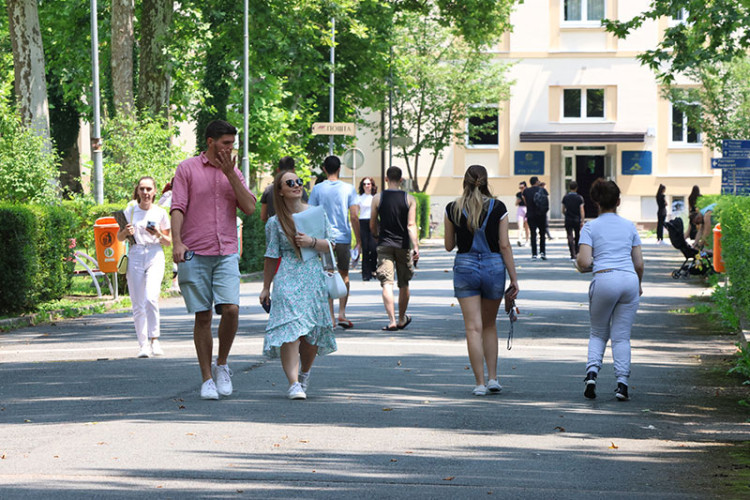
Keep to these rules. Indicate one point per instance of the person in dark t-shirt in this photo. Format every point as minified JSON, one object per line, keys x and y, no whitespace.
{"x":574,"y":217}
{"x":537,"y":217}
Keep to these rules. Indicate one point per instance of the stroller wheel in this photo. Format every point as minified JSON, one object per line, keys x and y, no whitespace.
{"x":676,"y":274}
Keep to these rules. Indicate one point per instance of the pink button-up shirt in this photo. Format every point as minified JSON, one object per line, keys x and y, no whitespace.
{"x":204,"y":195}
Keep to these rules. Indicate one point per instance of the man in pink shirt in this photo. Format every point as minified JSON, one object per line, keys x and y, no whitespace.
{"x":206,"y":192}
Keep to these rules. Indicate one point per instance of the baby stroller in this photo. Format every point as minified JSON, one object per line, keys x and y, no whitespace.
{"x":697,"y":263}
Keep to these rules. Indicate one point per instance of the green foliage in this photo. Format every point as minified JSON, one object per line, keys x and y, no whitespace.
{"x":440,"y":81}
{"x":714,"y":32}
{"x":19,"y":260}
{"x":742,"y":366}
{"x":28,"y":169}
{"x":423,"y":213}
{"x":55,"y":224}
{"x":253,"y":242}
{"x":133,"y":149}
{"x":735,"y":242}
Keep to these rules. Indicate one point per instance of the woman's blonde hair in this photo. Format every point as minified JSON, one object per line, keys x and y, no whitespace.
{"x":475,"y":195}
{"x":283,"y":214}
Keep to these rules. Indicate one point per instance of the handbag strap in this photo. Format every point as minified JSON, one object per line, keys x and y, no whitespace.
{"x":333,"y":259}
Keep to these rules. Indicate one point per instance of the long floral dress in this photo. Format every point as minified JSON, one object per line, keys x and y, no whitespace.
{"x":299,"y":301}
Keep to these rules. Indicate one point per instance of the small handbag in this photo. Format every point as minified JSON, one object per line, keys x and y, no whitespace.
{"x":122,"y":265}
{"x":334,"y":281}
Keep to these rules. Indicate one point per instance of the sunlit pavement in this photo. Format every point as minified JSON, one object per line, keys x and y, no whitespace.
{"x":390,"y":415}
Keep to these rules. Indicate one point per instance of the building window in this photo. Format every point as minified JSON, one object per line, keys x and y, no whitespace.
{"x":685,"y":131}
{"x":679,"y":18}
{"x":586,"y":12}
{"x":583,"y":103}
{"x":483,"y":127}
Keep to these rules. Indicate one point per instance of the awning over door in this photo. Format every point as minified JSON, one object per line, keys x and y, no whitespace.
{"x":586,"y":137}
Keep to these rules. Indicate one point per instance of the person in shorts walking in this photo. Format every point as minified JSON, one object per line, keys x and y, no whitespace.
{"x":477,"y":223}
{"x":393,"y":221}
{"x":339,"y":200}
{"x":207,"y":190}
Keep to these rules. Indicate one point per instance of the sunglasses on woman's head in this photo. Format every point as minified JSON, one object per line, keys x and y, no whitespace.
{"x":366,"y":184}
{"x":292,"y":182}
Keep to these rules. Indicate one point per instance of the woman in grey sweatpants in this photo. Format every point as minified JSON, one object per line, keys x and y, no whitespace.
{"x":611,"y":248}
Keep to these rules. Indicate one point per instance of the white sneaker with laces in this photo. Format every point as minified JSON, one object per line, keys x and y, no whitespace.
{"x":304,"y":380}
{"x":494,"y":386}
{"x":223,"y":376}
{"x":145,"y":351}
{"x":295,"y":391}
{"x":156,"y":347}
{"x":480,"y":390}
{"x":208,"y":390}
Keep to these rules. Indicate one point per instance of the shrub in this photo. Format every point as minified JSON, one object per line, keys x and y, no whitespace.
{"x":19,"y":261}
{"x":735,"y":242}
{"x":253,"y":242}
{"x":423,"y":214}
{"x":54,"y":226}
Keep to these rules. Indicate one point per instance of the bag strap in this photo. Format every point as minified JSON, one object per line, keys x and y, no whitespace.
{"x":333,"y":259}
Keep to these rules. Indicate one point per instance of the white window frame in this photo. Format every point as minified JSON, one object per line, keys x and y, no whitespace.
{"x":584,"y":100}
{"x":684,"y":142}
{"x":676,"y":22}
{"x":484,"y":146}
{"x":583,"y":22}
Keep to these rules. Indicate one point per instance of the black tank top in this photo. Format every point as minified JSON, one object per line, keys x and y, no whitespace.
{"x":394,"y":219}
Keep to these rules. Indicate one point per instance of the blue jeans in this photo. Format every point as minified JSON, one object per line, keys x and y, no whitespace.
{"x":481,"y":274}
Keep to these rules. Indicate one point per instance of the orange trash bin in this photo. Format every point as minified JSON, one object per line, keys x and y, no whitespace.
{"x":718,"y":259}
{"x":108,"y":249}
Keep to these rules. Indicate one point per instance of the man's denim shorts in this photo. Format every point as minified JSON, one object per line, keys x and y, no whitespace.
{"x":209,"y":279}
{"x":480,"y":274}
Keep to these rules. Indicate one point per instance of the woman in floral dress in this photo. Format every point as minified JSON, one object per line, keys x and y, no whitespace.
{"x":299,"y":327}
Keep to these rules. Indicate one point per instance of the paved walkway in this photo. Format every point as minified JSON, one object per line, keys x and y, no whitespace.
{"x":390,"y":415}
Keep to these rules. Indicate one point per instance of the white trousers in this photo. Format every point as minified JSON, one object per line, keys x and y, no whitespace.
{"x":145,"y":274}
{"x":613,"y":302}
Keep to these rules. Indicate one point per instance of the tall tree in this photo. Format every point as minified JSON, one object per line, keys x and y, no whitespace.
{"x":440,"y":82}
{"x":28,"y":62}
{"x":121,"y":61}
{"x":154,"y":76}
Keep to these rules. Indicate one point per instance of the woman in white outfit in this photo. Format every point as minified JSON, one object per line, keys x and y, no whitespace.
{"x":149,"y":224}
{"x":369,"y":256}
{"x":611,"y":248}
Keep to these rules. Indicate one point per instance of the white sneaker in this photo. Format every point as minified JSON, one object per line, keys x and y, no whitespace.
{"x":223,"y":376}
{"x":304,"y":380}
{"x":480,"y":390}
{"x":208,"y":390}
{"x":145,"y":351}
{"x":156,"y":347}
{"x":295,"y":391}
{"x":494,"y":386}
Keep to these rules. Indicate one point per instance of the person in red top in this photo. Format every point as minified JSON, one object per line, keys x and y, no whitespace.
{"x":206,"y":192}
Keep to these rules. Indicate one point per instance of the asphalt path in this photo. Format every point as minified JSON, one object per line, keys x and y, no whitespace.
{"x":389,"y":415}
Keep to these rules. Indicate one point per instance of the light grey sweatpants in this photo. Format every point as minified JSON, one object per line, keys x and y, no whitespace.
{"x":613,"y":302}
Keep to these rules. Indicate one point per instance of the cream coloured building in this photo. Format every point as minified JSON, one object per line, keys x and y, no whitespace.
{"x":581,"y":107}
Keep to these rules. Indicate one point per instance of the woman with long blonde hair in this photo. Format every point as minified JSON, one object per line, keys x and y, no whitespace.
{"x":299,"y":326}
{"x":477,"y":223}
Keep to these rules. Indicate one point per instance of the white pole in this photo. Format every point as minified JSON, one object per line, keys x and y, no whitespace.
{"x":96,"y":136}
{"x":331,"y":81}
{"x":246,"y":98}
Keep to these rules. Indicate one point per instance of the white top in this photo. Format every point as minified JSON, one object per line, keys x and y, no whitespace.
{"x":139,"y":218}
{"x":365,"y":205}
{"x":612,"y":239}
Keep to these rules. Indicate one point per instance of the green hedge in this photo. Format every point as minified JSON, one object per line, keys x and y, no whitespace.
{"x":734,"y":215}
{"x":253,"y":242}
{"x":423,"y":213}
{"x":19,"y":258}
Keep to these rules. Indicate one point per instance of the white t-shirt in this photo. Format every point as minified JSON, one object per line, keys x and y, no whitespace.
{"x":365,"y":205}
{"x":612,"y":239}
{"x":139,"y":218}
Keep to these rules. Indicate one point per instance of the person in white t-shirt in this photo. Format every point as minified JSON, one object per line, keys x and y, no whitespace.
{"x":369,"y":254}
{"x":149,"y":224}
{"x":611,"y":248}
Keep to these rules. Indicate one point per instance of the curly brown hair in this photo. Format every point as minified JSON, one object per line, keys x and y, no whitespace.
{"x":373,"y":188}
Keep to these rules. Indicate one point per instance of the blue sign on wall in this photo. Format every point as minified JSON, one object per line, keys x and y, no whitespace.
{"x":529,"y":162}
{"x":636,"y":163}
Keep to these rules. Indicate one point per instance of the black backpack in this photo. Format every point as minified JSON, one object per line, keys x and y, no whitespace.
{"x":541,"y":201}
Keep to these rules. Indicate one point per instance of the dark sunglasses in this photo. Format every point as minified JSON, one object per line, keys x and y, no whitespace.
{"x":292,"y":182}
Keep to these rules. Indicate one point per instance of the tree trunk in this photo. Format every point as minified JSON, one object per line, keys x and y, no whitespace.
{"x":154,"y":76}
{"x":28,"y":64}
{"x":123,"y":38}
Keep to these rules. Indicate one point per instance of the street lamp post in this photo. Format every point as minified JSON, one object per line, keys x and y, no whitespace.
{"x":96,"y":135}
{"x":246,"y":98}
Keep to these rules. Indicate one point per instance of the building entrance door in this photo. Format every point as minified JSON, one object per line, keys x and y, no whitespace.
{"x":588,"y":169}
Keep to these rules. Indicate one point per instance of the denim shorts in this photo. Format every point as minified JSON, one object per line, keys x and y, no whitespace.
{"x":480,"y":274}
{"x":209,"y":279}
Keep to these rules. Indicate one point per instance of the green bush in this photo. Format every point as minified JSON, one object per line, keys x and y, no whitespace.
{"x":55,"y":224}
{"x":19,"y":261}
{"x":253,"y":242}
{"x":734,"y":213}
{"x":423,"y":213}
